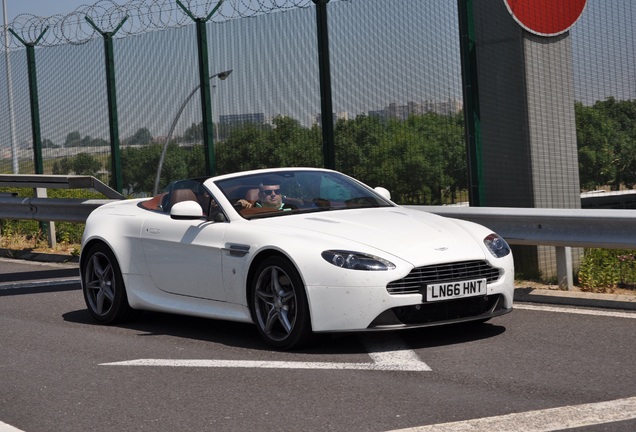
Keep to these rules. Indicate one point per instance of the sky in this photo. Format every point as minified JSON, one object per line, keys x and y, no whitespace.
{"x":43,"y":8}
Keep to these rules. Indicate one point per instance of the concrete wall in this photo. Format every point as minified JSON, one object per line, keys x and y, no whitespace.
{"x":526,"y":107}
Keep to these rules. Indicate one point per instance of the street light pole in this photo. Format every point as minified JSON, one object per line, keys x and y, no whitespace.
{"x":7,"y":60}
{"x":222,"y":76}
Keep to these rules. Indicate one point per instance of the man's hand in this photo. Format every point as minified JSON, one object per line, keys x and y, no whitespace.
{"x":244,"y":203}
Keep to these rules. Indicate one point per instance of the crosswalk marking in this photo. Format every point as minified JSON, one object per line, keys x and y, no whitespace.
{"x":388,"y":352}
{"x":579,"y":311}
{"x":552,"y":419}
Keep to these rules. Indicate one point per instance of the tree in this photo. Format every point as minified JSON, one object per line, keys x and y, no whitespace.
{"x":99,"y":142}
{"x":85,"y":164}
{"x":420,"y":160}
{"x":139,"y":166}
{"x":62,"y":167}
{"x":82,"y":164}
{"x":86,"y":141}
{"x":73,"y":139}
{"x":193,"y":133}
{"x":245,"y":148}
{"x":47,"y":143}
{"x":606,"y":139}
{"x":622,"y":115}
{"x":355,"y":140}
{"x":142,"y":136}
{"x":595,"y":132}
{"x":293,"y":144}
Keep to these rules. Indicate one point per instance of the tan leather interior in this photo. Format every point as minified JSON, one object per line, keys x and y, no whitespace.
{"x":252,"y":195}
{"x":179,"y":195}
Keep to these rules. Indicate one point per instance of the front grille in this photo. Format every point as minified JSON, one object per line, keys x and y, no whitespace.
{"x":428,"y":314}
{"x":419,"y":277}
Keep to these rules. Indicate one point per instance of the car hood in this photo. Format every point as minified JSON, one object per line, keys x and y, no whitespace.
{"x":412,"y":235}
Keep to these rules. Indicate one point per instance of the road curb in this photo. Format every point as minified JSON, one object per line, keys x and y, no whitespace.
{"x":29,"y":255}
{"x":575,"y":298}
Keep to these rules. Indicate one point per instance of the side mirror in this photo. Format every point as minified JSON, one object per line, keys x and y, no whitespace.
{"x":383,"y":192}
{"x":186,"y":210}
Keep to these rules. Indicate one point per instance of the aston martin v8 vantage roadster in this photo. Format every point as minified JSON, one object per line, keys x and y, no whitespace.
{"x":295,"y":251}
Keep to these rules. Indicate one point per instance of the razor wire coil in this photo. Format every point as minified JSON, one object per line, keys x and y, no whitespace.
{"x":138,"y":16}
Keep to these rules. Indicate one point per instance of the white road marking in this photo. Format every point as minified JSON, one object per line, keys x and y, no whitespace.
{"x":579,"y":311}
{"x":388,"y":352}
{"x":553,"y":419}
{"x":8,"y":428}
{"x":264,"y":364}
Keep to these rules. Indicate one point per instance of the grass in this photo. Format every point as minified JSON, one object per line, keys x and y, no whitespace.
{"x":37,"y":243}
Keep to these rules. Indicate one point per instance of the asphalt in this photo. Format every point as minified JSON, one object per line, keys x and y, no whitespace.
{"x":522,"y":294}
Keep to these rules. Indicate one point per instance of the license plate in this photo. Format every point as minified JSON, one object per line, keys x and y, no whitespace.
{"x":453,"y":290}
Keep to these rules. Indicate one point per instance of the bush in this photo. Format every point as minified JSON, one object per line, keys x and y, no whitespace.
{"x":603,"y":270}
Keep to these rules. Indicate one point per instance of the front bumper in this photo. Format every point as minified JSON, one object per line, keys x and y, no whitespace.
{"x":336,"y":309}
{"x":440,"y":313}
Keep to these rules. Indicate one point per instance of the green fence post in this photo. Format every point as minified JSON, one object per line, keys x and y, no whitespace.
{"x":326,"y":108}
{"x":34,"y":103}
{"x":204,"y":83}
{"x":48,"y":228}
{"x":112,"y":102}
{"x":472,"y":119}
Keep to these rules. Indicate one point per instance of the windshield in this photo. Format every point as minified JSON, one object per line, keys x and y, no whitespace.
{"x":288,"y":192}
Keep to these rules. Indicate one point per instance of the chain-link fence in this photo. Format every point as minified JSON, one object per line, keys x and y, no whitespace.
{"x":396,"y":84}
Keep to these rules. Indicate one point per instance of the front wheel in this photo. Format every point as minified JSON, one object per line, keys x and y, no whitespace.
{"x":103,"y":287}
{"x":278,"y":303}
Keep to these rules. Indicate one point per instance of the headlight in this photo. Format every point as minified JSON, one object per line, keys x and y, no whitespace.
{"x":356,"y":260}
{"x":497,"y":246}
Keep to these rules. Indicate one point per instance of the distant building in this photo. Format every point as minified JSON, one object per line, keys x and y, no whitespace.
{"x":342,"y":115}
{"x":402,"y":112}
{"x":235,"y":119}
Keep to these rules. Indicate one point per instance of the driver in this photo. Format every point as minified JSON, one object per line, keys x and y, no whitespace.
{"x":269,"y":197}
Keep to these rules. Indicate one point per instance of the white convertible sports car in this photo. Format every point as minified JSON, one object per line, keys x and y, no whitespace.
{"x":295,"y":251}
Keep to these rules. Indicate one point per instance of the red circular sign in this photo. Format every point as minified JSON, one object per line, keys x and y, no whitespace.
{"x":546,"y":17}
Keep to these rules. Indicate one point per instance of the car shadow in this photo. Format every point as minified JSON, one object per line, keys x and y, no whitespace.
{"x":244,"y":335}
{"x":453,"y":334}
{"x":149,"y":324}
{"x":417,"y":338}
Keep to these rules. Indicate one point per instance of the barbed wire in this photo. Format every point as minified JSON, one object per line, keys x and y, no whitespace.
{"x":137,"y":16}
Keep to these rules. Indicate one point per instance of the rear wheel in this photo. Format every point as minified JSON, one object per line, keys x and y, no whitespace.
{"x":279,"y":304}
{"x":103,"y":287}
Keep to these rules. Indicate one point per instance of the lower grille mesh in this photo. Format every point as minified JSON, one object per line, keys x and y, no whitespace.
{"x":415,"y":282}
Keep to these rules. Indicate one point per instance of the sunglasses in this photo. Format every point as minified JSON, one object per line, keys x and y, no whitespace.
{"x":269,"y":192}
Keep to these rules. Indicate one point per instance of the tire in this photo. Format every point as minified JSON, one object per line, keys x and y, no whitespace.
{"x":103,"y":287}
{"x":278,"y":304}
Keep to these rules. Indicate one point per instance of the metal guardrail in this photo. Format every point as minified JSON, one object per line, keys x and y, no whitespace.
{"x":45,"y":209}
{"x":58,"y":182}
{"x":587,"y":228}
{"x":49,"y":210}
{"x":561,"y":228}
